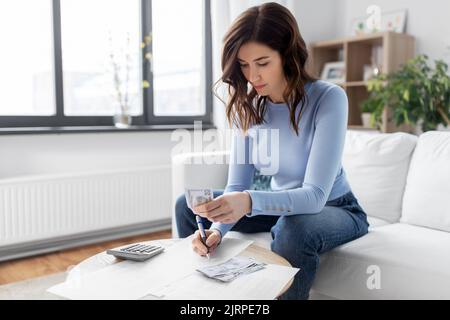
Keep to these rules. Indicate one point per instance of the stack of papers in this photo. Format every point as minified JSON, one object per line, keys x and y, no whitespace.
{"x":172,"y":275}
{"x":232,"y":269}
{"x":265,"y":284}
{"x":134,"y":280}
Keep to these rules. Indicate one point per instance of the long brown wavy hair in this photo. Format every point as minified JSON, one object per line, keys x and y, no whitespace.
{"x":273,"y":25}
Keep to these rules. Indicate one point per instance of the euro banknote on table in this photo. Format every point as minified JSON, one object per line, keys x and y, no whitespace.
{"x":231,"y":269}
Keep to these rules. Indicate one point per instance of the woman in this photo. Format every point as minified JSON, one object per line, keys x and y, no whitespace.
{"x":311,"y":208}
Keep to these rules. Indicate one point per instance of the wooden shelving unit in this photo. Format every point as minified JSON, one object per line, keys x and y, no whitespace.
{"x":394,"y":50}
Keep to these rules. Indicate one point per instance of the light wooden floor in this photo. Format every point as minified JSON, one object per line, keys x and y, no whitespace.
{"x":37,"y":266}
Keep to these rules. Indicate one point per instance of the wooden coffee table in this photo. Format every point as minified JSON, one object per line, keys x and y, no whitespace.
{"x":102,"y":260}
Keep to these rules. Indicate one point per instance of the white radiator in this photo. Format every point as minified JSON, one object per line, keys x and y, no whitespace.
{"x":56,"y":206}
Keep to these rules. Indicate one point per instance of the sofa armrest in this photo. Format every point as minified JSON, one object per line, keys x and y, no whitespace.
{"x":197,"y":170}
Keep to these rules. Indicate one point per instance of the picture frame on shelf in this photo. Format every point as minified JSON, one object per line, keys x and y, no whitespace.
{"x":359,"y":26}
{"x":334,"y":72}
{"x":394,"y":21}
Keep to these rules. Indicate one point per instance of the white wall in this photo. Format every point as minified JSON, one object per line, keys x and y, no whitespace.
{"x":36,"y":154}
{"x":316,"y":19}
{"x":428,"y":21}
{"x":31,"y":154}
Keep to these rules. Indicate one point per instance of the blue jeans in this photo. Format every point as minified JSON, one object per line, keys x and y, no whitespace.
{"x":300,"y":239}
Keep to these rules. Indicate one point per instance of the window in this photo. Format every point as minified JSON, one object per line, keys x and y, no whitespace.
{"x":177,"y":58}
{"x":108,"y":35}
{"x":66,"y":62}
{"x":181,"y":69}
{"x":26,"y":58}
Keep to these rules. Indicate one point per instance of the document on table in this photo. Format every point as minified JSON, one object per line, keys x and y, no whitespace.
{"x":134,"y":280}
{"x":263,"y":284}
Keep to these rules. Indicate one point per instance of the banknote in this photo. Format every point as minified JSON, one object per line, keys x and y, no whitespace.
{"x":195,"y":197}
{"x":231,"y":269}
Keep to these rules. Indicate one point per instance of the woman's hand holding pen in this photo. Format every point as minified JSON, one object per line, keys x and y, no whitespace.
{"x":227,"y":208}
{"x":213,"y":238}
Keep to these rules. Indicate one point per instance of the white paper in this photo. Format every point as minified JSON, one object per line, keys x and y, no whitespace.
{"x":133,"y":280}
{"x":265,"y":284}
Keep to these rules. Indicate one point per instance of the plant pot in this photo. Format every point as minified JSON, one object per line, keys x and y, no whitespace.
{"x":122,"y":121}
{"x":365,"y":117}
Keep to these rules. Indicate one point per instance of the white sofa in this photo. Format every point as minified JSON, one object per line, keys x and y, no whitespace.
{"x":403,"y":183}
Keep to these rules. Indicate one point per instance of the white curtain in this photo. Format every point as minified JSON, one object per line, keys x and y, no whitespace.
{"x":223,"y":13}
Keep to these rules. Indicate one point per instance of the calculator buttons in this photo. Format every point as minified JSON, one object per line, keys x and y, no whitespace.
{"x":137,"y":252}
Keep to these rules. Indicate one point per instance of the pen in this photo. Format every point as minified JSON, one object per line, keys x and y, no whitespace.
{"x":202,"y":231}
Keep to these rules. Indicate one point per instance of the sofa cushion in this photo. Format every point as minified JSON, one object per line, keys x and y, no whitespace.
{"x":376,"y":166}
{"x":260,"y":182}
{"x":376,"y":222}
{"x":411,"y":262}
{"x":426,"y":200}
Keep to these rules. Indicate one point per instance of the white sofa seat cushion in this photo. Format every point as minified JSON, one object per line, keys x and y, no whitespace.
{"x":376,"y":222}
{"x":412,"y":261}
{"x":426,"y":200}
{"x":376,"y":166}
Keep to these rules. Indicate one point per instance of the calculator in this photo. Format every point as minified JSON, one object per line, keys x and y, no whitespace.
{"x":136,"y":252}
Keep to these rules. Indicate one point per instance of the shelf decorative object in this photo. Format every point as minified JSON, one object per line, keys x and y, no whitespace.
{"x":334,"y":72}
{"x":122,"y":118}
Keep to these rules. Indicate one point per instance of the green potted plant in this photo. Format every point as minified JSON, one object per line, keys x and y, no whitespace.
{"x":416,"y":93}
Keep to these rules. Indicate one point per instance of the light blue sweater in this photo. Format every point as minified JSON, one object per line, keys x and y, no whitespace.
{"x":307,"y":171}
